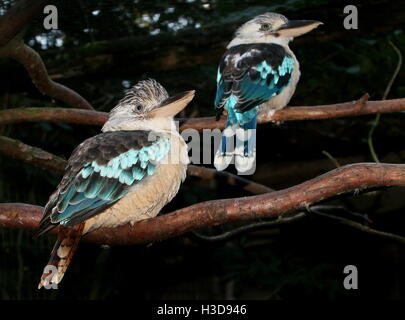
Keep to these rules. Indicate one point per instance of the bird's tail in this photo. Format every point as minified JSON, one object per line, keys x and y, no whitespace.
{"x":244,"y":151}
{"x":224,"y":154}
{"x":62,"y":254}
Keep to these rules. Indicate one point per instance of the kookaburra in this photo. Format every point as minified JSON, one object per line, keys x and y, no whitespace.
{"x":125,"y":174}
{"x":257,"y":75}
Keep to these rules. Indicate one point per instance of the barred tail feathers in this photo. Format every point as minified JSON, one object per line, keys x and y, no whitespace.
{"x":61,"y":255}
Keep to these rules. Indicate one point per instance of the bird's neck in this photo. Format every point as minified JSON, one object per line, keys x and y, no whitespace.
{"x":164,"y":125}
{"x":282,"y":41}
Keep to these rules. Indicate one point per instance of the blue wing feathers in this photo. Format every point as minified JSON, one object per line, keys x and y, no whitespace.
{"x":96,"y":186}
{"x":245,"y":83}
{"x":82,"y":186}
{"x":77,"y":198}
{"x":108,"y":190}
{"x":93,"y":188}
{"x":138,"y":173}
{"x":87,"y":204}
{"x":86,"y":171}
{"x":249,"y":75}
{"x":151,"y":169}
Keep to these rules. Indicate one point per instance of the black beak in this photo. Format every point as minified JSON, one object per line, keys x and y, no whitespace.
{"x":292,"y":24}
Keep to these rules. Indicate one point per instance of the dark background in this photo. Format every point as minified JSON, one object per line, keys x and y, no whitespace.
{"x":103,"y":47}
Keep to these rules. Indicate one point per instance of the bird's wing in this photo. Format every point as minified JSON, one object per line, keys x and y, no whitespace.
{"x":101,"y":171}
{"x":250,"y":74}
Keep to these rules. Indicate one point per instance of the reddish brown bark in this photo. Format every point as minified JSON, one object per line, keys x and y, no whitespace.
{"x":17,"y":17}
{"x":13,"y":47}
{"x":33,"y":155}
{"x":346,"y":109}
{"x":33,"y":63}
{"x":20,"y":115}
{"x":339,"y":110}
{"x":269,"y":205}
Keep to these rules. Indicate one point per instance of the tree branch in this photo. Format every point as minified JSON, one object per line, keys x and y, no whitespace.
{"x":345,"y":109}
{"x":17,"y":17}
{"x":13,"y":46}
{"x":362,"y":227}
{"x":33,"y":155}
{"x":217,"y":212}
{"x":65,"y":115}
{"x":33,"y":63}
{"x":251,"y":227}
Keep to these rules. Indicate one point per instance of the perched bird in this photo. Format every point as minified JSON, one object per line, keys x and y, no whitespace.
{"x":257,"y":75}
{"x":125,"y":174}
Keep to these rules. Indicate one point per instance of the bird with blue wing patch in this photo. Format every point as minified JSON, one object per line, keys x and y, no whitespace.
{"x":123,"y":175}
{"x":257,"y":75}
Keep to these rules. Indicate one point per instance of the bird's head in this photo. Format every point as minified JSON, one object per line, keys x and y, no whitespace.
{"x":274,"y":27}
{"x":147,"y":106}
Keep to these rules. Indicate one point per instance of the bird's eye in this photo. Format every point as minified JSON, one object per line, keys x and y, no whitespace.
{"x":265,"y":27}
{"x":139,"y":108}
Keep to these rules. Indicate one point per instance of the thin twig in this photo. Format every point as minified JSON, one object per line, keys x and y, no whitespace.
{"x":362,"y":227}
{"x":250,"y":228}
{"x":341,"y":208}
{"x":370,"y":142}
{"x":335,"y":162}
{"x":397,"y":69}
{"x":384,"y":97}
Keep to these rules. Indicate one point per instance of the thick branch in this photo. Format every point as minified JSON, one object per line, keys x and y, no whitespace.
{"x":10,"y":26}
{"x":269,"y":205}
{"x":46,"y":160}
{"x":33,"y":63}
{"x":20,"y":115}
{"x":345,"y":109}
{"x":33,"y":155}
{"x":339,"y":110}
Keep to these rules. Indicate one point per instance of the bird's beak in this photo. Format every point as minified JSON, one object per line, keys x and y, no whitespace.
{"x":173,"y":105}
{"x":295,"y":28}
